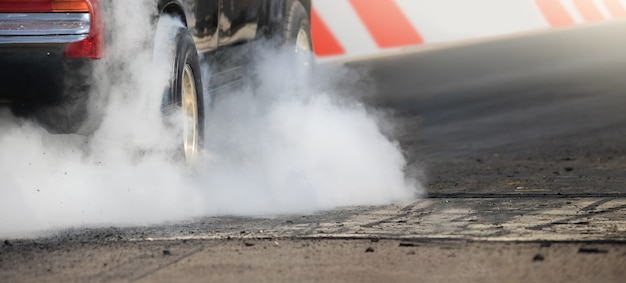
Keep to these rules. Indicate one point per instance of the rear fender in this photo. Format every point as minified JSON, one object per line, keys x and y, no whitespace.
{"x":175,"y":8}
{"x":272,"y":15}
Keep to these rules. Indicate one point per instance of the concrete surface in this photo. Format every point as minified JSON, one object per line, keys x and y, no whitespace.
{"x":305,"y":260}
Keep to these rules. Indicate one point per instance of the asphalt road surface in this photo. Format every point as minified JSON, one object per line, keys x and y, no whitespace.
{"x":522,"y":142}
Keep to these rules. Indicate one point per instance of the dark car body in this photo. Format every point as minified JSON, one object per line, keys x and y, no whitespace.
{"x":45,"y":56}
{"x":219,"y":23}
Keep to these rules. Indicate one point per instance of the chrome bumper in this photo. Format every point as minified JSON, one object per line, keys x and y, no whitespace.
{"x":21,"y":28}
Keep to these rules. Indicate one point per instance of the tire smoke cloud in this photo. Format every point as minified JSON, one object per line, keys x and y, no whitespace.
{"x":287,"y":142}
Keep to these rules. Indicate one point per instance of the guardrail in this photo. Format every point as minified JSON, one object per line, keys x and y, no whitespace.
{"x":349,"y":28}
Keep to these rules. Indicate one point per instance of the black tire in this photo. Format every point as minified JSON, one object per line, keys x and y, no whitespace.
{"x":63,"y":111}
{"x":62,"y":117}
{"x":297,"y":41}
{"x":296,"y":20}
{"x":185,"y":56}
{"x":65,"y":117}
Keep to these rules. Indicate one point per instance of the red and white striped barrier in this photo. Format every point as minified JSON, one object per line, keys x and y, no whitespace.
{"x":351,"y":28}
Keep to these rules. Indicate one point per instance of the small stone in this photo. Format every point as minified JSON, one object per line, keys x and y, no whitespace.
{"x":248,"y":244}
{"x":167,"y":252}
{"x":7,"y":243}
{"x":369,"y":250}
{"x":538,"y":257}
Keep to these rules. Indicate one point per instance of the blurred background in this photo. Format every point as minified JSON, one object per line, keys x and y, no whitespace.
{"x":353,"y":28}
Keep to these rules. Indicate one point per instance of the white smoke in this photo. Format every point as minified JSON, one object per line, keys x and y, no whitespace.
{"x":271,"y":148}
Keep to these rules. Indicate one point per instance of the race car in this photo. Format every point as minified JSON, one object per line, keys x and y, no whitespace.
{"x":48,"y":48}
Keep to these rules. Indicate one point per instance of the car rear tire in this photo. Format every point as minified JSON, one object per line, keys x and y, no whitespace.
{"x":63,"y":111}
{"x":185,"y":95}
{"x":65,"y":117}
{"x":297,"y":27}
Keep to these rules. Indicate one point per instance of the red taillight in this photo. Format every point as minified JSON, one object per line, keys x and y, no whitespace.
{"x":92,"y":46}
{"x":44,"y":6}
{"x":70,"y":6}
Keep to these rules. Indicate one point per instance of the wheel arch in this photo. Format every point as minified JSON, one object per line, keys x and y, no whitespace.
{"x":272,"y":13}
{"x":173,"y":8}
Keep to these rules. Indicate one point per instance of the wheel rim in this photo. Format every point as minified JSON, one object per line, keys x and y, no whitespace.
{"x":189,"y":105}
{"x":302,"y":41}
{"x":303,"y":48}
